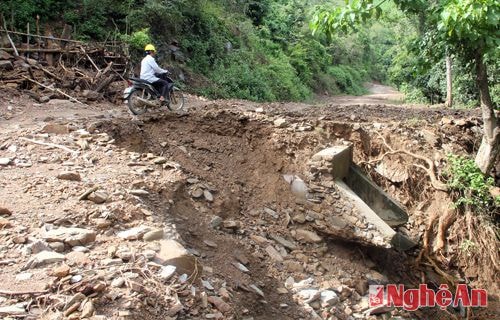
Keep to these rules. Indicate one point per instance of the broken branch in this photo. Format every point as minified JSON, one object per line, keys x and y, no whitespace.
{"x":20,"y":293}
{"x":49,"y":145}
{"x":56,"y":90}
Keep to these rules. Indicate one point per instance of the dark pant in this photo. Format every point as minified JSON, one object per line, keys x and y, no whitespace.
{"x":162,"y":86}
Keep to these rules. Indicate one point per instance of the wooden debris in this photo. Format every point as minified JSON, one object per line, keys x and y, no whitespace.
{"x":67,"y":68}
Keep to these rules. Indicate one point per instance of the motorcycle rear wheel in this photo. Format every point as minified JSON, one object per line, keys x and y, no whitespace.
{"x":134,"y":102}
{"x":176,"y":102}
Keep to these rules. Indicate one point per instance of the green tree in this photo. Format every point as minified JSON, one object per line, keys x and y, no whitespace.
{"x":466,"y":28}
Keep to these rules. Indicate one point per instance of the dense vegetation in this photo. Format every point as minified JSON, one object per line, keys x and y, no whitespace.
{"x":259,"y":49}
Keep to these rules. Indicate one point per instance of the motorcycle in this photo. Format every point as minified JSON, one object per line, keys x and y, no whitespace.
{"x":142,"y":95}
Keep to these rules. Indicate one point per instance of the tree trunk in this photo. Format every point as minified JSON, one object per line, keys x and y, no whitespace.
{"x":449,"y":79}
{"x":490,"y":145}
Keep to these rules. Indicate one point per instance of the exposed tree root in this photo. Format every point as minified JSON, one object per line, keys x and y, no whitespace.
{"x":430,"y":169}
{"x":445,"y":221}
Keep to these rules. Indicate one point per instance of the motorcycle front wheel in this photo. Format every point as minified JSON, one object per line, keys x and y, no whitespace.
{"x":136,"y":101}
{"x":176,"y":102}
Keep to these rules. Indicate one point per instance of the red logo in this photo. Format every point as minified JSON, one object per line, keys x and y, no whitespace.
{"x":411,"y":299}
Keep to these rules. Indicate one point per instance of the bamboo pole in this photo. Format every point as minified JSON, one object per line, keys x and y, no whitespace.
{"x":28,"y":38}
{"x":44,"y":37}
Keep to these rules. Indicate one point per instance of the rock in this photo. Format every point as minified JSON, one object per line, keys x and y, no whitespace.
{"x":149,"y":254}
{"x":138,"y":192}
{"x":19,"y":240}
{"x":118,"y":282}
{"x":70,"y":236}
{"x":174,"y":254}
{"x":152,"y":235}
{"x":375,"y":277}
{"x":4,"y":161}
{"x":231,"y":224}
{"x":10,"y":311}
{"x":238,"y":255}
{"x":134,"y":233}
{"x":88,"y":309}
{"x":282,"y":290}
{"x":309,"y":295}
{"x":392,"y":171}
{"x":307,"y":236}
{"x":61,"y":271}
{"x":57,"y":246}
{"x":5,"y":212}
{"x":208,"y":196}
{"x":361,"y":286}
{"x":76,"y":278}
{"x":257,"y":290}
{"x":90,"y":95}
{"x":69,"y":175}
{"x":102,"y":223}
{"x":44,"y":99}
{"x":160,"y":160}
{"x":55,"y":128}
{"x":197,"y":192}
{"x":293,"y":266}
{"x":285,"y":243}
{"x":299,"y":218}
{"x":98,"y":197}
{"x":297,"y":186}
{"x":241,"y":267}
{"x":210,"y":243}
{"x":24,"y":276}
{"x":430,"y":137}
{"x":328,"y":298}
{"x":302,"y":284}
{"x":4,"y":223}
{"x":77,"y":258}
{"x":271,"y":212}
{"x":280,"y":123}
{"x":5,"y":56}
{"x":38,"y":246}
{"x":44,"y":258}
{"x":6,"y":65}
{"x":207,"y":285}
{"x":259,"y":239}
{"x":379,"y":310}
{"x":274,"y":254}
{"x":215,"y":222}
{"x":337,"y":222}
{"x":111,"y":262}
{"x":167,"y":271}
{"x":446,"y":120}
{"x":76,"y":299}
{"x":219,"y":304}
{"x":124,"y":313}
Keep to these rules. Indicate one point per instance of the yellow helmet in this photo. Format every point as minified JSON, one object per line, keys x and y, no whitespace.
{"x":150,"y":47}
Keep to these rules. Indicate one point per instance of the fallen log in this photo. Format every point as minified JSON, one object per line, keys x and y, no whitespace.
{"x":56,"y":90}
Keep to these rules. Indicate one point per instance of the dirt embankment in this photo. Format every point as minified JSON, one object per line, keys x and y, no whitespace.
{"x":210,"y":180}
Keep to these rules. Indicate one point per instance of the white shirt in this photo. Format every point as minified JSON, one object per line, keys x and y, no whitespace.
{"x":148,"y":69}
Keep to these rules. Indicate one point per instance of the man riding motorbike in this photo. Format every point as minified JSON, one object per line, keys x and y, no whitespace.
{"x":150,"y":71}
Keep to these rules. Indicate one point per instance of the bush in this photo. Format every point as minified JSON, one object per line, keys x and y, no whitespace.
{"x":470,"y":184}
{"x":347,"y":79}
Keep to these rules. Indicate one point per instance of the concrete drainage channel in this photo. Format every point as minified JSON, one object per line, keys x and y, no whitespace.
{"x":335,"y":165}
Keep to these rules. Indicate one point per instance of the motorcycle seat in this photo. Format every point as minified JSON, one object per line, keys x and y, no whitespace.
{"x":139,"y":80}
